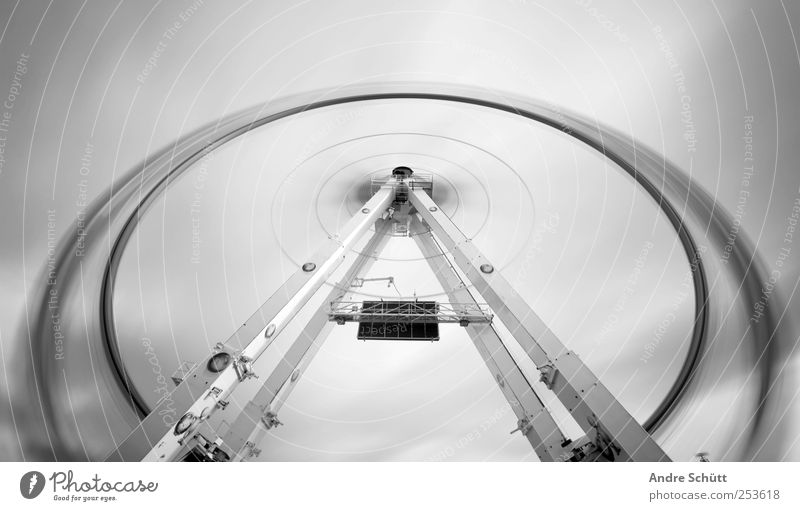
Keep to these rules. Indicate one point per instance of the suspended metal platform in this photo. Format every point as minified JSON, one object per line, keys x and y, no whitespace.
{"x":406,"y":320}
{"x":409,"y":311}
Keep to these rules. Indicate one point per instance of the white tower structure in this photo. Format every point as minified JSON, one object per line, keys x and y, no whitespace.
{"x":401,"y":205}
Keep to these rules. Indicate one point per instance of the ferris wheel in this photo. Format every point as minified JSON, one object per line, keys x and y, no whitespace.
{"x":405,"y":203}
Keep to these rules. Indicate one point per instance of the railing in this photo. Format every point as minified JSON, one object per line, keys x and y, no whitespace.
{"x":409,"y":312}
{"x":415,"y":182}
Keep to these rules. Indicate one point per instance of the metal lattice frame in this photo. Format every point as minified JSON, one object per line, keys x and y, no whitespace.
{"x":410,"y":312}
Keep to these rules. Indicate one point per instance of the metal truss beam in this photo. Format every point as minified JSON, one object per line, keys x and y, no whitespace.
{"x":260,"y":413}
{"x":153,"y":439}
{"x":533,"y":418}
{"x":615,"y":433}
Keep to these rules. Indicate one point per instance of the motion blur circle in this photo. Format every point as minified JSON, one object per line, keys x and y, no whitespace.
{"x":651,"y":188}
{"x":700,"y":224}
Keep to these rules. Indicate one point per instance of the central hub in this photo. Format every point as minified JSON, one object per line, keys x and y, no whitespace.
{"x":402,"y":172}
{"x":401,"y":187}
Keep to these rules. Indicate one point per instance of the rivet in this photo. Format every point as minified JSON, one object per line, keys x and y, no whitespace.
{"x":270,"y":330}
{"x":487,"y":268}
{"x":309,"y":267}
{"x":433,"y":208}
{"x":365,"y":210}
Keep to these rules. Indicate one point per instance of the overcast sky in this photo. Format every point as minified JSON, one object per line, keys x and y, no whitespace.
{"x":119,"y":81}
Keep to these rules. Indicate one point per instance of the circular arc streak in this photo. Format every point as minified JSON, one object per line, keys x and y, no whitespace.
{"x":114,"y":221}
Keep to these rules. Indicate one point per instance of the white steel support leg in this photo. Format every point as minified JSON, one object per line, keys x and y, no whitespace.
{"x":534,"y":420}
{"x":613,"y":430}
{"x":250,"y":425}
{"x":151,"y":440}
